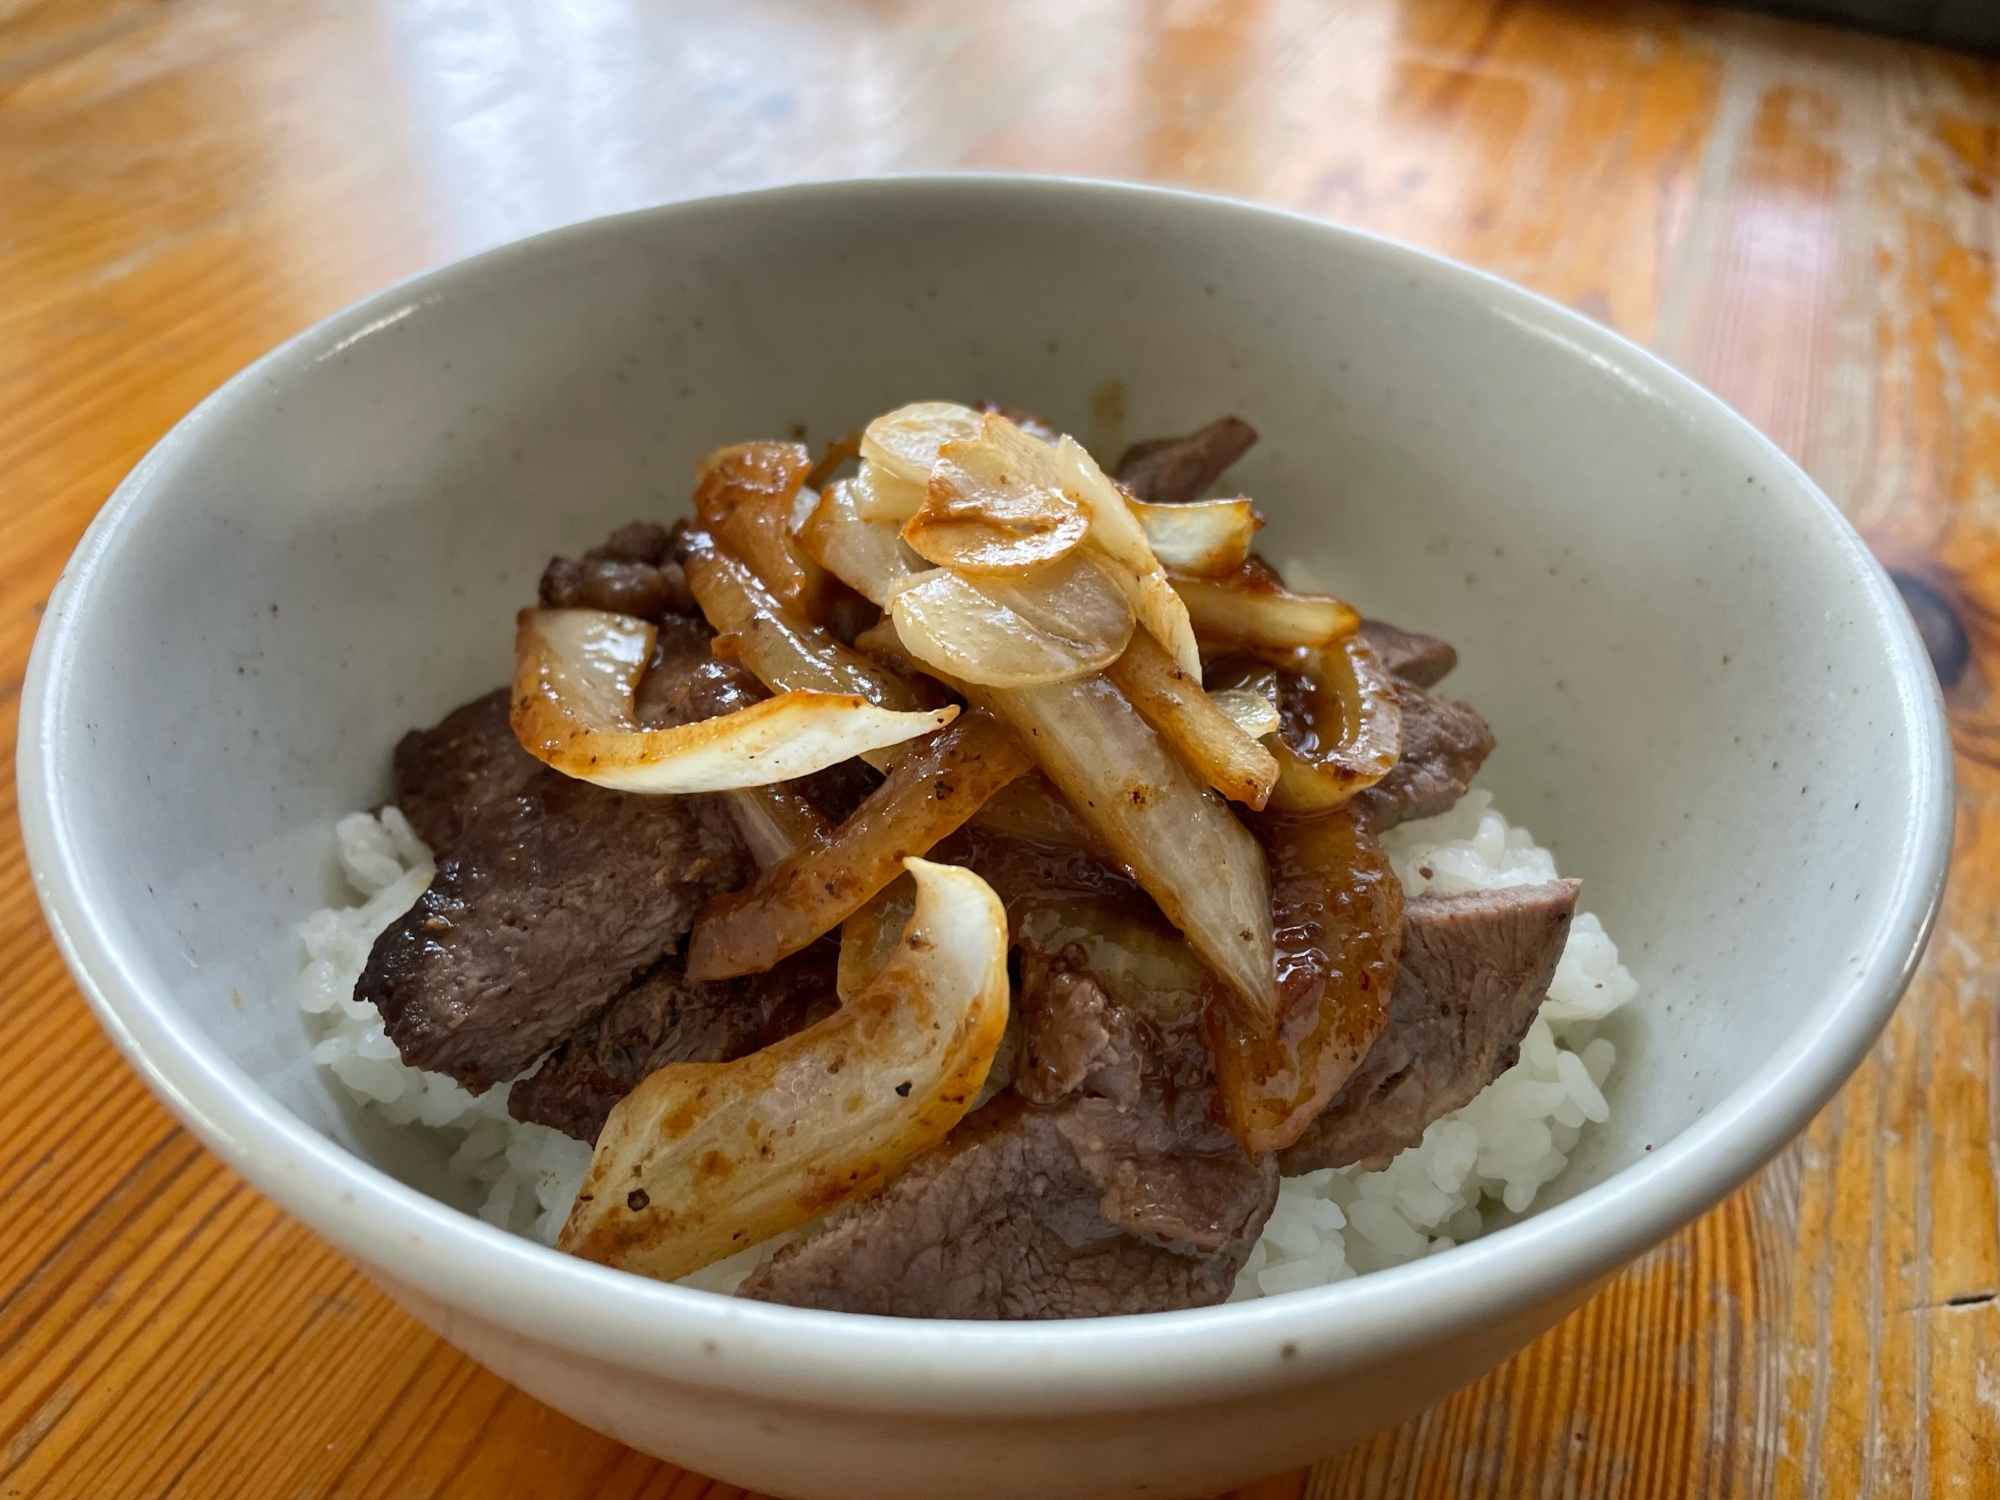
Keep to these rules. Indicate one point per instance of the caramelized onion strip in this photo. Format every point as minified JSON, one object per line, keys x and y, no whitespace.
{"x":867,"y":554}
{"x":1252,"y":609}
{"x":576,"y":671}
{"x":705,"y":1159}
{"x":785,"y":652}
{"x":745,"y":496}
{"x":1339,"y":911}
{"x":1205,"y":737}
{"x":1057,"y":622}
{"x":927,"y":795}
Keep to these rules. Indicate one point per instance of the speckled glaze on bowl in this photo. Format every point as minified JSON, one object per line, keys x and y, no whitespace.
{"x":1709,"y":702}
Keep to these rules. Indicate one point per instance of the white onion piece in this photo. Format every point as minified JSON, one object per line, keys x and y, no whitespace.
{"x":906,"y":440}
{"x":705,"y":1159}
{"x":1116,"y":532}
{"x":1066,"y":620}
{"x":1202,"y":538}
{"x":1254,"y":714}
{"x":881,"y":494}
{"x":1179,"y":839}
{"x":575,"y":673}
{"x":868,"y":556}
{"x":775,"y":822}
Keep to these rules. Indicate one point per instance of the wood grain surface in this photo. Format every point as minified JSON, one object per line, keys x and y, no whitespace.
{"x":1802,"y":218}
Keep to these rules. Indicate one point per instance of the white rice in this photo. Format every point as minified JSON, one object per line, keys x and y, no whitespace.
{"x":1497,"y":1152}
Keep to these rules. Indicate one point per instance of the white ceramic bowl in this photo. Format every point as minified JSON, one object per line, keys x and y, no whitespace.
{"x":1709,"y":702}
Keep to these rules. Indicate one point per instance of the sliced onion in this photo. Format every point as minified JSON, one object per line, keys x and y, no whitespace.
{"x":1255,"y":714}
{"x":1340,"y":723}
{"x":745,"y":498}
{"x":869,"y":556}
{"x":1252,"y":609}
{"x":906,"y":440}
{"x":927,"y":795}
{"x":993,"y":507}
{"x":775,"y":822}
{"x":1202,"y":538}
{"x":1115,"y":532}
{"x":705,"y":1159}
{"x":784,"y":651}
{"x":880,"y":494}
{"x":1059,"y":622}
{"x":1339,"y":911}
{"x":575,"y":674}
{"x":1179,"y":840}
{"x":1206,"y":738}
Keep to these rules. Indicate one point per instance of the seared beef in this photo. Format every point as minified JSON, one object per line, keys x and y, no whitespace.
{"x":549,"y":904}
{"x":1122,"y":1195}
{"x":1007,"y":1219}
{"x":1422,"y":659}
{"x":631,"y":574}
{"x":1167,"y":471}
{"x":666,"y":1018}
{"x":1444,"y":744}
{"x":448,"y":773}
{"x":1074,"y":1038}
{"x":1476,"y":968}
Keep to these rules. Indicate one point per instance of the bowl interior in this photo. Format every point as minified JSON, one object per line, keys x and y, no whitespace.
{"x":1700,"y":696}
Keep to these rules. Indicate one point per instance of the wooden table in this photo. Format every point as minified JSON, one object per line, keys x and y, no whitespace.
{"x":1802,"y":218}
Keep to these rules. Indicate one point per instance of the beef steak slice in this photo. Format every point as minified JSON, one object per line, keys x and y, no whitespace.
{"x":667,"y":1018}
{"x":1408,"y":654}
{"x":1002,"y":1220}
{"x":467,"y":761}
{"x":1476,"y":968}
{"x":1444,"y":745}
{"x":550,"y":902}
{"x":1169,"y":471}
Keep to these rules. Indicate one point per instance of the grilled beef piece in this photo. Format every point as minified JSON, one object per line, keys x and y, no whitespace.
{"x":1444,"y":744}
{"x":631,"y":574}
{"x":469,"y":760}
{"x":547,"y":906}
{"x":667,"y":1018}
{"x":1121,"y":1194}
{"x":1422,"y":659}
{"x":1476,"y":968}
{"x":1007,"y":1218}
{"x":1167,"y":471}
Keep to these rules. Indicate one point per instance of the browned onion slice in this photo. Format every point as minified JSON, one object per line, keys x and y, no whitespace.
{"x":994,"y":505}
{"x":1058,"y":622}
{"x":1339,"y":722}
{"x":1251,"y":608}
{"x":775,"y":822}
{"x":745,"y":498}
{"x":1339,"y":912}
{"x":927,"y":795}
{"x":705,"y":1159}
{"x":1201,"y":538}
{"x":796,"y":655}
{"x":1207,"y":738}
{"x":1178,"y":839}
{"x":576,"y":671}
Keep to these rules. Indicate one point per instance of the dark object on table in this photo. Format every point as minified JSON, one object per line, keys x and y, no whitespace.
{"x":1949,"y":23}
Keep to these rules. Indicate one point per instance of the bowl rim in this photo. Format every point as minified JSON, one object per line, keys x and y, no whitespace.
{"x":865,"y":1362}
